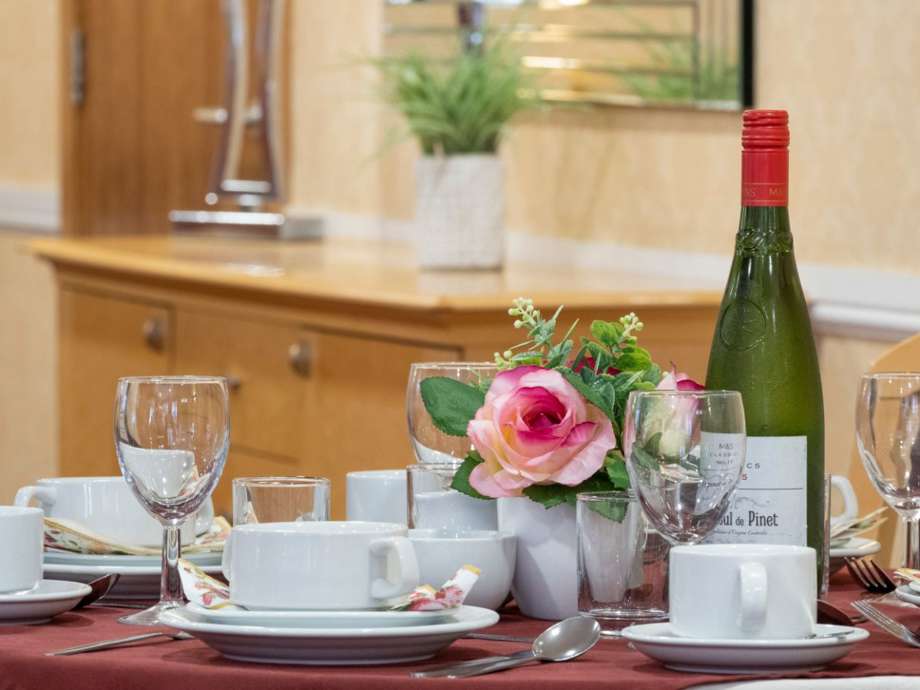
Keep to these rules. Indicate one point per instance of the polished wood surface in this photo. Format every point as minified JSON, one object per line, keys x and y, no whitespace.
{"x":316,"y":339}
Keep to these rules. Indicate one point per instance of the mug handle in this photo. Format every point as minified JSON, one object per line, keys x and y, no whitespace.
{"x":45,"y":495}
{"x":753,"y":578}
{"x":850,"y":502}
{"x":225,"y":558}
{"x":407,"y":578}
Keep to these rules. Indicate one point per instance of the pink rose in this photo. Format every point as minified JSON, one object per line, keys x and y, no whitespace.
{"x":535,"y":428}
{"x":674,"y":381}
{"x":669,"y":415}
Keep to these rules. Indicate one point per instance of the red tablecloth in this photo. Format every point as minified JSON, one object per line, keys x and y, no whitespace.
{"x":170,"y":665}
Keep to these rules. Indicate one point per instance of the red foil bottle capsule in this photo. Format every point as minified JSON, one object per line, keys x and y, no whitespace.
{"x":765,"y":158}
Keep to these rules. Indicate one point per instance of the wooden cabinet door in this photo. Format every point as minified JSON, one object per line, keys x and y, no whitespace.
{"x":358,"y":421}
{"x":103,"y":338}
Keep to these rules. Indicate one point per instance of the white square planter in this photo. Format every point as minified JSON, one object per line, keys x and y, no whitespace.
{"x":460,"y":209}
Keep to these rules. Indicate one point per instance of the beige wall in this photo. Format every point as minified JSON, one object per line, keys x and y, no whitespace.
{"x":28,"y":447}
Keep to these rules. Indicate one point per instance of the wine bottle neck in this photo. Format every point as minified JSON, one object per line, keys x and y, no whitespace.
{"x":764,"y":230}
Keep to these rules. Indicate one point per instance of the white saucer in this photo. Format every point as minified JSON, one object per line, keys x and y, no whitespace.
{"x":137,"y":582}
{"x":908,"y":593}
{"x":743,"y":656}
{"x":322,"y":619}
{"x":856,"y":547}
{"x":331,"y":646}
{"x":40,"y":605}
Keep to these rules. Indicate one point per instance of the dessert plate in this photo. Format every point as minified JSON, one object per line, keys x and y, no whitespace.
{"x":335,"y":646}
{"x":322,"y":619}
{"x":137,"y":582}
{"x":41,"y":604}
{"x":693,"y":655}
{"x":856,"y":547}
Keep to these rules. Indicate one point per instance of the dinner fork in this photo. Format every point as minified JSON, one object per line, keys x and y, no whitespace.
{"x":870,"y":575}
{"x":120,"y":642}
{"x":887,"y":623}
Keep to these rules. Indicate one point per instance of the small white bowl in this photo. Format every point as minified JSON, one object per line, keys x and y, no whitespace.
{"x":441,"y":554}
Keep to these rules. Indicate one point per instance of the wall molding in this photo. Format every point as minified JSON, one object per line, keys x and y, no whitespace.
{"x":31,"y":208}
{"x":846,"y":301}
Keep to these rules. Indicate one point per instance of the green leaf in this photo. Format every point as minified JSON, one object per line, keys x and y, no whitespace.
{"x":615,"y":466}
{"x":614,"y":511}
{"x":607,"y":332}
{"x":450,"y":403}
{"x":548,"y":495}
{"x":645,"y":459}
{"x":595,"y":392}
{"x":461,"y":481}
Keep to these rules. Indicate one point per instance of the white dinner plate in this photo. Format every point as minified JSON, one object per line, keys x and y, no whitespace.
{"x":136,"y":582}
{"x":908,"y":593}
{"x":693,"y":655}
{"x":120,"y":560}
{"x":39,"y":605}
{"x":856,"y":547}
{"x":322,"y":619}
{"x":338,"y":646}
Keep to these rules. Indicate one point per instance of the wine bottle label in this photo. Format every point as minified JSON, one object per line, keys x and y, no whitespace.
{"x":769,"y":506}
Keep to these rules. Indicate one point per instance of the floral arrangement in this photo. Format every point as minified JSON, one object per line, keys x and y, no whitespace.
{"x":550,"y":424}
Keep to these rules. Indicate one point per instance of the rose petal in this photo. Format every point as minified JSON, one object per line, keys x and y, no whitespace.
{"x":484,"y":482}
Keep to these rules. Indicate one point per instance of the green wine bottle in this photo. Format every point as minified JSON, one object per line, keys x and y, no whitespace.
{"x":763,"y":347}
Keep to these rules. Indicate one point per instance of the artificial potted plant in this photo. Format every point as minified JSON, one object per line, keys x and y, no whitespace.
{"x":457,"y":110}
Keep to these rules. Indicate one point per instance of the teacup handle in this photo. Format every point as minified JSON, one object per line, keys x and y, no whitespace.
{"x":407,"y":578}
{"x":850,"y":502}
{"x":225,"y":558}
{"x":45,"y":495}
{"x":753,"y":578}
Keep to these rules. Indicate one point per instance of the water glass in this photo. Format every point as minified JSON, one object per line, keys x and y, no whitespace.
{"x":429,"y":443}
{"x":434,"y":505}
{"x":622,"y":562}
{"x":280,"y":499}
{"x":888,"y":438}
{"x":172,"y":434}
{"x":684,"y":452}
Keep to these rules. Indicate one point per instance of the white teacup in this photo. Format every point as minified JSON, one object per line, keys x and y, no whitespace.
{"x":21,"y":537}
{"x":376,"y":496}
{"x":440,"y":555}
{"x":743,"y":591}
{"x":107,"y":507}
{"x":850,"y":502}
{"x":318,"y":565}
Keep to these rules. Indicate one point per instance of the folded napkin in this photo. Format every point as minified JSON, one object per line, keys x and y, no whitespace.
{"x":64,"y":535}
{"x":210,"y":593}
{"x":843,"y":531}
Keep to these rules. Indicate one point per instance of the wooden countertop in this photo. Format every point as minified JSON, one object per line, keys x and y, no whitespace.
{"x":372,"y":273}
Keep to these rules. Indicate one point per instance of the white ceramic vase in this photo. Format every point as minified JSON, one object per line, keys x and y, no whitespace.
{"x":545,"y":575}
{"x":460,"y":209}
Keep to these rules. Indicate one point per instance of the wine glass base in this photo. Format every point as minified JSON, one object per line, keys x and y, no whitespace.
{"x":151,"y":616}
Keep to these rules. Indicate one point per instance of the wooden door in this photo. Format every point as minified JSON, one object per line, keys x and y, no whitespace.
{"x":131,"y":147}
{"x":101,"y":339}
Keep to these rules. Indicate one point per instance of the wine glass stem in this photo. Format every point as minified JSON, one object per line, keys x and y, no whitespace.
{"x":912,"y":540}
{"x":170,"y":582}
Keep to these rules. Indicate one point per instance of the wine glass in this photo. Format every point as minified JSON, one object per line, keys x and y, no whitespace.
{"x":684,"y":453}
{"x":888,"y":438}
{"x":172,"y":434}
{"x":429,"y":443}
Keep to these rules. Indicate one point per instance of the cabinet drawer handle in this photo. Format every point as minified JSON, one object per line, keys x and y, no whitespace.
{"x":300,"y":358}
{"x":233,"y":383}
{"x":154,"y":334}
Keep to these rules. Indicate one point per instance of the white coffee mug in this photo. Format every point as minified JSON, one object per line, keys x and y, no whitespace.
{"x":318,"y":565}
{"x":376,"y":496}
{"x":743,"y":591}
{"x":107,"y":507}
{"x":850,"y":502}
{"x":21,"y":539}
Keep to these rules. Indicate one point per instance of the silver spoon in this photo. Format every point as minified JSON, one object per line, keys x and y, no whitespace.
{"x":98,"y":589}
{"x":563,"y":641}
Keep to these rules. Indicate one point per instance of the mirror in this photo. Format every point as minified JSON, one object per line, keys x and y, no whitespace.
{"x":694,"y":54}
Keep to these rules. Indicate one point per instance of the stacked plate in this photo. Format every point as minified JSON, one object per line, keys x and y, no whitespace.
{"x":329,"y":637}
{"x":140,"y":575}
{"x":909,"y":593}
{"x":854,"y":547}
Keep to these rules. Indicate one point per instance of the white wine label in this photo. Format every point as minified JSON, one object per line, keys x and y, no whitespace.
{"x":770,"y":501}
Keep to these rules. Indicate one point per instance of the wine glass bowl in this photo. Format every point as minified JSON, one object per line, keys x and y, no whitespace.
{"x":172,"y":435}
{"x":888,"y":440}
{"x":430,"y":444}
{"x":684,"y":452}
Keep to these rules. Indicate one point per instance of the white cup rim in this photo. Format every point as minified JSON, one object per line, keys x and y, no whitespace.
{"x":17,"y":511}
{"x":81,"y":480}
{"x":332,"y":528}
{"x":368,"y":474}
{"x":441,"y":535}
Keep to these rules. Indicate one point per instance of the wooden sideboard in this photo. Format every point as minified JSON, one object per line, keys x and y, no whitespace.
{"x":316,"y":339}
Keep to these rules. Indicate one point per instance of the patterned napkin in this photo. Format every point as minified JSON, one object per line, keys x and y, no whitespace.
{"x":842,"y":532}
{"x":210,"y":593}
{"x":64,"y":535}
